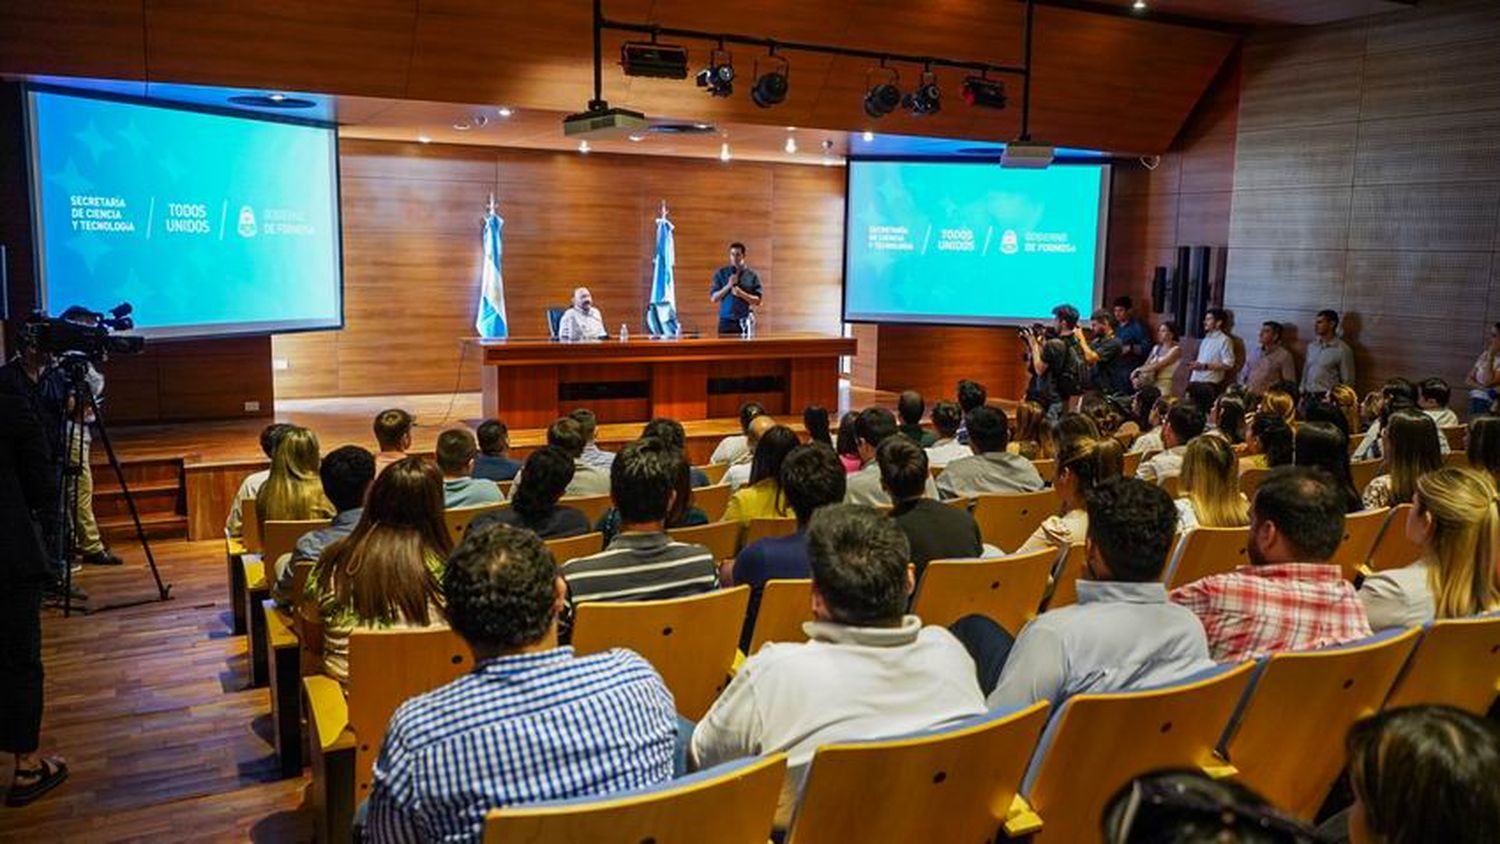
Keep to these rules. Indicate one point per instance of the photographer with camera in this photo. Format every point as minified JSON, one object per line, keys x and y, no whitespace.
{"x":1056,"y":359}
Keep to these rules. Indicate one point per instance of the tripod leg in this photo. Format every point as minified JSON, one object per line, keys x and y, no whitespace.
{"x":162,"y":589}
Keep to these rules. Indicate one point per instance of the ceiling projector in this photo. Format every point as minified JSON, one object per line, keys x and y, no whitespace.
{"x":604,"y":123}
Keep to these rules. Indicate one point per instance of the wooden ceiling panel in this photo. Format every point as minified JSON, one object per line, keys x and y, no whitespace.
{"x":1270,"y":12}
{"x":103,"y":38}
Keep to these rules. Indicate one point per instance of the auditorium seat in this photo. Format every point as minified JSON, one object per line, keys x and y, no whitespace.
{"x":963,"y":504}
{"x":1063,"y":590}
{"x":592,"y":506}
{"x":1457,"y":459}
{"x":1250,"y":480}
{"x":691,"y":641}
{"x":759,"y":529}
{"x":554,"y":319}
{"x":235,"y":549}
{"x":1098,"y":742}
{"x":1131,"y":463}
{"x":1007,"y":520}
{"x":1205,"y":551}
{"x":458,"y":518}
{"x":386,"y":667}
{"x":712,"y":500}
{"x":1360,"y":532}
{"x":721,"y":538}
{"x":285,"y":675}
{"x":1457,"y":437}
{"x":785,"y":605}
{"x":1392,"y":549}
{"x":1173,"y":486}
{"x":1007,"y":590}
{"x":714,"y":471}
{"x":955,"y":784}
{"x":1287,"y":742}
{"x":1046,"y":468}
{"x":1364,"y":471}
{"x":257,"y":571}
{"x":573,"y":547}
{"x":1455,"y":663}
{"x":733,"y":803}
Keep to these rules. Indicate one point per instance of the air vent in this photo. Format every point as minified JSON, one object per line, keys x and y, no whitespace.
{"x":684,"y":128}
{"x":992,"y":152}
{"x":268,"y":101}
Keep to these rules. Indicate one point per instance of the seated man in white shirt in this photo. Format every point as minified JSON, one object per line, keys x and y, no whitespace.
{"x":1432,"y":396}
{"x":734,"y":447}
{"x":583,"y":321}
{"x":947,"y":418}
{"x":990,"y":468}
{"x":270,"y":437}
{"x":1123,"y":634}
{"x":739,"y":473}
{"x":1184,"y":421}
{"x":868,"y":669}
{"x":872,"y":426}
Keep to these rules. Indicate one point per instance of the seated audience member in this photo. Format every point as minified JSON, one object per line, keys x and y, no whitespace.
{"x":592,"y":453}
{"x":873,"y":426}
{"x":1151,"y":440}
{"x":270,"y":437}
{"x":562,"y":726}
{"x":494,"y":462}
{"x":1210,"y":495}
{"x":1483,"y":377}
{"x":1190,"y":807}
{"x":1288,"y":598}
{"x":946,"y":420}
{"x":1071,"y":426}
{"x":1277,"y":402}
{"x":868,"y":670}
{"x":1424,"y":774}
{"x":1268,"y":443}
{"x":1453,"y":518}
{"x":1346,"y":401}
{"x":386,"y":573}
{"x":1202,"y":396}
{"x":970,"y":394}
{"x":815,"y":420}
{"x":1228,"y":418}
{"x":1083,"y":465}
{"x":293,"y":492}
{"x":346,"y":473}
{"x":1183,"y":423}
{"x":1409,"y":442}
{"x":642,"y":562}
{"x":1319,"y":445}
{"x":990,"y":468}
{"x":1484,"y":446}
{"x":909,"y":408}
{"x":456,"y":451}
{"x":738,"y":473}
{"x":732,"y":448}
{"x":1319,"y":409}
{"x":1398,"y":394}
{"x":811,"y":477}
{"x":393,"y":434}
{"x":1122,"y":634}
{"x":1026,"y":436}
{"x":1432,"y":398}
{"x":761,"y":497}
{"x":934,"y":531}
{"x":567,"y":435}
{"x":671,"y":432}
{"x":533,"y":501}
{"x":847,"y":443}
{"x":682,"y":514}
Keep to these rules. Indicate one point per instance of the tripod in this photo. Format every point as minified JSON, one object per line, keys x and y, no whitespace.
{"x":79,"y":403}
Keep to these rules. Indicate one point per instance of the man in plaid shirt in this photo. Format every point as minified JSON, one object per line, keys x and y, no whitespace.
{"x":1289,"y":598}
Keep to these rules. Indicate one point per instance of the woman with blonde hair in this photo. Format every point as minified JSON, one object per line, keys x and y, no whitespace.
{"x":1409,"y":441}
{"x":1280,"y":404}
{"x":1082,"y":464}
{"x":1455,"y":520}
{"x":1346,"y":401}
{"x":294,"y":490}
{"x":388,"y":572}
{"x":1210,"y":482}
{"x":1026,"y":437}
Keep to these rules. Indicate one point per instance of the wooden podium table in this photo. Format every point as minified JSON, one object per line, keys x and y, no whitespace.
{"x":530,"y":383}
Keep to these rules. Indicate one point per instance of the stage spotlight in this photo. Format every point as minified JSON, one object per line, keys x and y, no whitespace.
{"x":981,"y":92}
{"x":926,"y":99}
{"x":882,"y":98}
{"x":658,"y":61}
{"x":770,"y":87}
{"x":718,"y":77}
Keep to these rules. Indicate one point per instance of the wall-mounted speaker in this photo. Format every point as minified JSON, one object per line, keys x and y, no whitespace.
{"x":1198,"y":288}
{"x":1159,"y":290}
{"x":1178,"y":306}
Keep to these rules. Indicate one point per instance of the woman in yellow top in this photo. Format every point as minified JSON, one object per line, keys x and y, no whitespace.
{"x":294,"y":491}
{"x":761,"y":498}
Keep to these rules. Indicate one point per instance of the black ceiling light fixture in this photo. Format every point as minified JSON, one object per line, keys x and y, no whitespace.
{"x":718,"y":77}
{"x":771,"y":87}
{"x":983,"y":92}
{"x":884,"y":95}
{"x":926,"y":98}
{"x":653,"y":60}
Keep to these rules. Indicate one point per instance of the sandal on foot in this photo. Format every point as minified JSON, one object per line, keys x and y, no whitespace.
{"x":51,"y":774}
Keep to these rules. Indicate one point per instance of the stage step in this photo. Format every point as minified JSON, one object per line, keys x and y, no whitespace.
{"x":156,"y":484}
{"x":119,"y":528}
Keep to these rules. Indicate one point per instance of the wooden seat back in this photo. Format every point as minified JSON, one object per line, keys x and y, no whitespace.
{"x":1250,"y":481}
{"x":759,"y":529}
{"x":691,"y":641}
{"x":1131,"y":463}
{"x":250,"y":532}
{"x":785,"y":605}
{"x":1206,"y":551}
{"x":721,"y":538}
{"x":1364,"y":471}
{"x":1309,"y":700}
{"x":950,"y":785}
{"x":1007,"y":590}
{"x":573,"y":547}
{"x":1360,"y":532}
{"x":280,"y":537}
{"x":715,"y":472}
{"x":1046,"y":467}
{"x":1173,"y":485}
{"x":1065,"y":578}
{"x":592,"y":506}
{"x":1456,"y":663}
{"x":1392,"y":549}
{"x":712,"y":500}
{"x":1007,"y":520}
{"x":1457,"y":436}
{"x":734,"y":803}
{"x":457,"y":519}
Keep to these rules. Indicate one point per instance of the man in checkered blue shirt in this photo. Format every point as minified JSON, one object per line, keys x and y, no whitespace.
{"x":531,"y":722}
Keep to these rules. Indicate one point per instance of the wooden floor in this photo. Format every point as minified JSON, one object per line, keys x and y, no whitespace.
{"x":148,"y":706}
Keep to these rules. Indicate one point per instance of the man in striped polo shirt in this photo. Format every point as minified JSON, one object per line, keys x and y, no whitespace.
{"x":642,"y":563}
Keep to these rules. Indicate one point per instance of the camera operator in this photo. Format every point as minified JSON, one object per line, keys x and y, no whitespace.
{"x":1056,"y":359}
{"x":28,"y":495}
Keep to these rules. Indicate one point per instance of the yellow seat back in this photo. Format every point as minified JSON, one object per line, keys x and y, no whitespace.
{"x":761,"y":528}
{"x":1457,"y":436}
{"x":1007,"y":520}
{"x":691,"y":641}
{"x":1098,"y":742}
{"x":250,"y":533}
{"x":785,"y":605}
{"x":573,"y":547}
{"x":1172,"y":484}
{"x":280,"y":537}
{"x":719,"y":537}
{"x":592,"y":506}
{"x":950,"y":785}
{"x":1207,"y":551}
{"x":457,"y":519}
{"x":730,"y":804}
{"x":1008,"y":590}
{"x":1309,"y":700}
{"x":1131,"y":463}
{"x":1360,"y":532}
{"x":1065,"y":581}
{"x":1364,"y":471}
{"x":1456,"y":663}
{"x":1046,"y":467}
{"x":1392,"y":549}
{"x":1250,"y":481}
{"x":715,"y":472}
{"x":1456,"y":458}
{"x":712,"y":500}
{"x":386,"y":667}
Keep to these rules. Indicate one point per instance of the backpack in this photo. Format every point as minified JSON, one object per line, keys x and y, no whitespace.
{"x":1069,"y":376}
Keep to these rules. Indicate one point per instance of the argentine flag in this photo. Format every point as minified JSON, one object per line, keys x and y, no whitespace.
{"x":491,"y":320}
{"x":661,"y":318}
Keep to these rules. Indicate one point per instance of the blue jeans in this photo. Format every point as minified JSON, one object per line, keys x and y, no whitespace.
{"x":988,"y":643}
{"x":680,"y":752}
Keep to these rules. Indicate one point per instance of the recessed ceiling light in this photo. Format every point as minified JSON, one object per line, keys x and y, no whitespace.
{"x":424,"y":139}
{"x":791,"y":128}
{"x":724,"y":151}
{"x":1139,"y":5}
{"x":637,"y":138}
{"x":791,"y":145}
{"x":583,"y":147}
{"x":868,"y":136}
{"x":702,"y":126}
{"x":462,"y":125}
{"x":504,"y":111}
{"x":276,"y":98}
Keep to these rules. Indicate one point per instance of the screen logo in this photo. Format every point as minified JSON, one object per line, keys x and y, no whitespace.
{"x":1009,"y":244}
{"x":247,"y":221}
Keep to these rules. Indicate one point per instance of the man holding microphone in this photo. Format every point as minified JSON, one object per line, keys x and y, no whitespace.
{"x":735,"y":288}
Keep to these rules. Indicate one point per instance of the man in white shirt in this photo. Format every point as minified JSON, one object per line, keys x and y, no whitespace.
{"x":1433,"y":395}
{"x":270,"y":436}
{"x":1184,"y":421}
{"x":739,"y":472}
{"x":872,"y":426}
{"x":736,"y":446}
{"x":583,"y":321}
{"x":592,"y":453}
{"x":868,"y":669}
{"x":947,"y":418}
{"x":1216,"y":352}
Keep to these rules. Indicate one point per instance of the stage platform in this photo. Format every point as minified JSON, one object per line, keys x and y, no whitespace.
{"x":184,"y":476}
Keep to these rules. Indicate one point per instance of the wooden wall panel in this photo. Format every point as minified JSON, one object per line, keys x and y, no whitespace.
{"x":1284,"y":95}
{"x":1454,"y":216}
{"x":1400,"y":151}
{"x":1303,"y":157}
{"x":932,"y":359}
{"x":1289,"y":218}
{"x":1394,"y":283}
{"x":102,"y":38}
{"x":1464,"y":76}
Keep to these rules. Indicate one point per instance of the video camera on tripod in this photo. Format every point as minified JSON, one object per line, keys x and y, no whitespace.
{"x":82,"y":334}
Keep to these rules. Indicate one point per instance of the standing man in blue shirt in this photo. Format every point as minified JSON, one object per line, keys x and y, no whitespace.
{"x":736,"y":287}
{"x":1132,"y":334}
